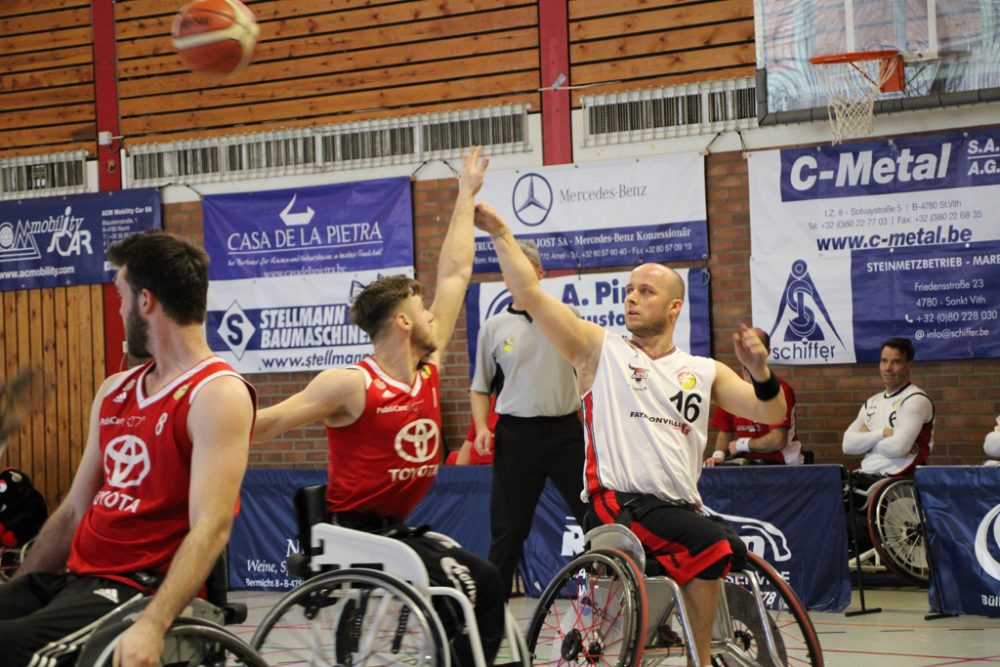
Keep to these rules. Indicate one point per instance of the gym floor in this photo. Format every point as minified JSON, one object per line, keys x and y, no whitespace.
{"x":897,"y":636}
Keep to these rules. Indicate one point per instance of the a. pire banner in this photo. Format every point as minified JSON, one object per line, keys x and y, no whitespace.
{"x":603,"y":214}
{"x":286,"y":265}
{"x":854,"y":243}
{"x":962,"y":508}
{"x":792,"y":517}
{"x":60,"y":241}
{"x":598,"y":298}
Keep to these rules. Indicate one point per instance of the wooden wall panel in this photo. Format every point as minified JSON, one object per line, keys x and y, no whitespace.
{"x":58,"y":332}
{"x":632,"y":44}
{"x":325,"y":61}
{"x":46,"y":92}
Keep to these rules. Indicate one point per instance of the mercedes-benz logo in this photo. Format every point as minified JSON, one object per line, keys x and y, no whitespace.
{"x":126,"y":462}
{"x":532,"y":199}
{"x":417,"y":442}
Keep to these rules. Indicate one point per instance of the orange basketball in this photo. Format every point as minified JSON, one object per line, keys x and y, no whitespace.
{"x":215,"y":37}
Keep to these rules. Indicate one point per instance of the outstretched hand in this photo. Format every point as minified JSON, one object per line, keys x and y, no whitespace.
{"x":488,"y":220}
{"x":473,"y":170}
{"x":15,"y":398}
{"x":751,"y":353}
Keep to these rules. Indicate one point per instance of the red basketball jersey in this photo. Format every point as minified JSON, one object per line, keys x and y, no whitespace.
{"x":387,"y":459}
{"x":140,"y":514}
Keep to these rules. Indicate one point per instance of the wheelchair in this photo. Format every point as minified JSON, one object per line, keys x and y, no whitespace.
{"x":896,"y":529}
{"x":367,"y":600}
{"x":11,"y":559}
{"x":602,"y":609}
{"x":196,"y":637}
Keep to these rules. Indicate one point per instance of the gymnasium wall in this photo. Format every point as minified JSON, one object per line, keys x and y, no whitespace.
{"x":331,"y":61}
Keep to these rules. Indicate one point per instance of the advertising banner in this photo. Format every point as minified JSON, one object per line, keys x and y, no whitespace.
{"x":962,"y":508}
{"x":603,"y":214}
{"x":599,"y":298}
{"x":61,"y":241}
{"x":852,"y":244}
{"x":287,"y":263}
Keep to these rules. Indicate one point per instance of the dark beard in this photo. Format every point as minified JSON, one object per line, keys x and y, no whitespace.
{"x":137,"y":336}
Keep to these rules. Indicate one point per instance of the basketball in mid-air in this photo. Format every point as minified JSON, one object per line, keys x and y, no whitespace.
{"x":215,"y":37}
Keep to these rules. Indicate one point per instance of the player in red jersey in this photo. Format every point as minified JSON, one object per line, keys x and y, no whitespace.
{"x":151,"y":505}
{"x":383,"y":417}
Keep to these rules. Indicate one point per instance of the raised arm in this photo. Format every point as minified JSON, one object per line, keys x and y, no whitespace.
{"x":50,"y":549}
{"x":857,"y":438}
{"x":219,"y":424}
{"x":910,"y":418}
{"x":457,"y":251}
{"x":335,"y":395}
{"x":741,"y":398}
{"x":576,"y":339}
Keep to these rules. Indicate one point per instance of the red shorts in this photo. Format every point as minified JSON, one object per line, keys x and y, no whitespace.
{"x":684,"y":542}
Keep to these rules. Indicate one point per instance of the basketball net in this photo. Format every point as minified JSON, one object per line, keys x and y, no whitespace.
{"x":851,"y":88}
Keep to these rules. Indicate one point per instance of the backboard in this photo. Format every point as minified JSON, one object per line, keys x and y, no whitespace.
{"x":954,"y":59}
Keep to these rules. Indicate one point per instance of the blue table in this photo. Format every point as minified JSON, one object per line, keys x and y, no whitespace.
{"x":792,"y":516}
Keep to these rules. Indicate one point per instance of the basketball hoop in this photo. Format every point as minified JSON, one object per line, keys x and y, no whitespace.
{"x":852,"y":81}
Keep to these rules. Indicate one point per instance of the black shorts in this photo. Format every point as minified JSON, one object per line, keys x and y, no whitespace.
{"x":686,"y":543}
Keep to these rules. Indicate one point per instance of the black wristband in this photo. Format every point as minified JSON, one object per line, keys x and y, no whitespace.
{"x":767,"y":389}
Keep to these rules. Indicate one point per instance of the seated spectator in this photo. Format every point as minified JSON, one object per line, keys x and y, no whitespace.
{"x":894,"y":429}
{"x":991,"y":446}
{"x":755,"y":442}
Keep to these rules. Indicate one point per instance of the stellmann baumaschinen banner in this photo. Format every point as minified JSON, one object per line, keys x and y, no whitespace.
{"x":287,"y":263}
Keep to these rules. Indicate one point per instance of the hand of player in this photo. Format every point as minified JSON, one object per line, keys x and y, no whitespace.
{"x":140,"y":646}
{"x":710,"y":462}
{"x":483,"y":443}
{"x":751,"y":353}
{"x":473,"y":170}
{"x":488,"y":220}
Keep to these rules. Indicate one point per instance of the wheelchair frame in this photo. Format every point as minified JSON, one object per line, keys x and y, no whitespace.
{"x":647,"y":605}
{"x":340,"y":557}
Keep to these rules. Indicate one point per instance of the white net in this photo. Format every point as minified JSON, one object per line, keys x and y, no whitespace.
{"x":851,"y":88}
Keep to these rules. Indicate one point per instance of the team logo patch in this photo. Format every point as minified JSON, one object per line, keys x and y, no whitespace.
{"x":179,"y":394}
{"x":639,"y":373}
{"x":687,"y":379}
{"x":426,"y":372}
{"x":508,"y":344}
{"x":126,"y":461}
{"x":379,"y":384}
{"x":417,"y":442}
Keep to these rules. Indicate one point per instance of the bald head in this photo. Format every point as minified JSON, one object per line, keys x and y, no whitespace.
{"x":661,"y":276}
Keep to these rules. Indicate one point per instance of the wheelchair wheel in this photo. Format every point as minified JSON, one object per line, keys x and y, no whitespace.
{"x":897,"y":532}
{"x":189,"y":643}
{"x":353,"y":617}
{"x":795,"y":636}
{"x":592,"y":613}
{"x":11,"y":559}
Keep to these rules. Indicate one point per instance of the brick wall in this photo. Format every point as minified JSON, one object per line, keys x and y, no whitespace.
{"x":966,"y":393}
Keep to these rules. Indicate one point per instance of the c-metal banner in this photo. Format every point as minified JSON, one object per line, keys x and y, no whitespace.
{"x":61,"y":241}
{"x":604,"y":213}
{"x":599,"y":298}
{"x":286,"y":265}
{"x":852,"y":244}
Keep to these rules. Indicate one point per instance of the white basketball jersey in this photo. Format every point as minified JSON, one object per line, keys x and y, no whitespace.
{"x":646,"y":421}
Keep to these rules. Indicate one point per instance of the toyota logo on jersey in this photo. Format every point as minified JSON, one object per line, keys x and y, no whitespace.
{"x":417,"y":442}
{"x":126,"y":462}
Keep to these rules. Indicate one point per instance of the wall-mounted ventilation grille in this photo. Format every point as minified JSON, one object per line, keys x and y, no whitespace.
{"x":678,"y":111}
{"x":43,"y":175}
{"x":362,"y":144}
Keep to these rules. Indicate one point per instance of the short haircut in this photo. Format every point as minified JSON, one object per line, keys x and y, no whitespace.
{"x":902,"y":344}
{"x":375,"y":306}
{"x":173,"y":269}
{"x":530,"y":250}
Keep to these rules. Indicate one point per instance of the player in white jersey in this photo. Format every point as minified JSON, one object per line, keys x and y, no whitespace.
{"x":894,"y":428}
{"x":646,"y":409}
